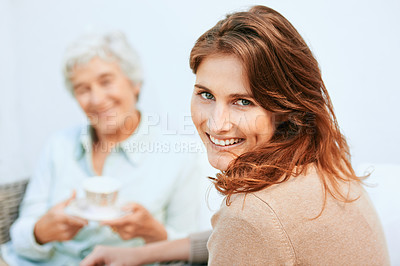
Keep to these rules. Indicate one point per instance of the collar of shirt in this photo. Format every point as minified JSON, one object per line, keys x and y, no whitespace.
{"x":131,"y":147}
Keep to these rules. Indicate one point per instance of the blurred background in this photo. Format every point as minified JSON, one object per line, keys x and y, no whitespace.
{"x":356,"y":43}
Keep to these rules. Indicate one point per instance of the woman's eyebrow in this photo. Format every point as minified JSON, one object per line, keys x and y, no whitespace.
{"x":201,"y":87}
{"x":240,"y":95}
{"x":105,"y":75}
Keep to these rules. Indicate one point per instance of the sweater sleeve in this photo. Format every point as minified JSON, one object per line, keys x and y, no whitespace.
{"x":198,"y":247}
{"x":33,"y":206}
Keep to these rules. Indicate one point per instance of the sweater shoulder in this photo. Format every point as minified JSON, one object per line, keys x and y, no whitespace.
{"x":252,"y":220}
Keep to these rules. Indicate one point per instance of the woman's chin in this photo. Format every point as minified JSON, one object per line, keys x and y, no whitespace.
{"x":107,"y":129}
{"x":220,"y":163}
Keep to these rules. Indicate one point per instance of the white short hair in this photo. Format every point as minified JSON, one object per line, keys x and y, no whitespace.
{"x":112,"y":46}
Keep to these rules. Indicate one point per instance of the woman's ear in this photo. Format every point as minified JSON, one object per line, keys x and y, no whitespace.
{"x":136,"y":89}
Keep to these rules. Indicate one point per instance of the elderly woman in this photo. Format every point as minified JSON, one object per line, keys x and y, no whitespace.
{"x":265,"y":116}
{"x":160,"y":184}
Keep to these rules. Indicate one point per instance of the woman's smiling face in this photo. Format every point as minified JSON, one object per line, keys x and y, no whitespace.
{"x":228,"y":119}
{"x":106,"y":95}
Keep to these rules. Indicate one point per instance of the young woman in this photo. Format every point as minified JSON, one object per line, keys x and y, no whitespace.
{"x":292,"y":196}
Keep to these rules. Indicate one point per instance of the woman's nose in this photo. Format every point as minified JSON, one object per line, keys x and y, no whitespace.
{"x":220,"y":120}
{"x":97,"y":95}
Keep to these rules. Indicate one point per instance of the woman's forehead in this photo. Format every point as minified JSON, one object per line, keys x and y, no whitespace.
{"x":224,"y":73}
{"x":94,"y":68}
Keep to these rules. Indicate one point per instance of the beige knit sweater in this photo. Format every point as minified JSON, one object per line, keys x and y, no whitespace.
{"x":275,"y":226}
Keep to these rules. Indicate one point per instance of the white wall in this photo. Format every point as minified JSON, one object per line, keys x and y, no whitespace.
{"x":356,"y":42}
{"x":10,"y":137}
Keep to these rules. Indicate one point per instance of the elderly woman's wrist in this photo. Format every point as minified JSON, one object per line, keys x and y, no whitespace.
{"x":158,"y":233}
{"x":37,"y":233}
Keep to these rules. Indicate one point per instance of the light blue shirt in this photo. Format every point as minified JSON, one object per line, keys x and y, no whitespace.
{"x":161,"y":172}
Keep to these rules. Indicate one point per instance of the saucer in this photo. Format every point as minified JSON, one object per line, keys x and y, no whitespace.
{"x":81,"y":208}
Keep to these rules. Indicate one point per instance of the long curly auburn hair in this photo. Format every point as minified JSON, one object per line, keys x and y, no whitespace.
{"x":285,"y":79}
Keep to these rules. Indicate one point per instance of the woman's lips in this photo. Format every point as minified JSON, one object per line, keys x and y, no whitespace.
{"x":104,"y":112}
{"x":225,"y":142}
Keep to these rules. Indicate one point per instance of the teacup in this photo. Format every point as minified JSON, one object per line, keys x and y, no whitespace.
{"x":101,"y":190}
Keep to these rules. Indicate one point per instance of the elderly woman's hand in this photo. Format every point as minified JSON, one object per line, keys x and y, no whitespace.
{"x":117,"y":256}
{"x":139,"y":223}
{"x":56,"y":225}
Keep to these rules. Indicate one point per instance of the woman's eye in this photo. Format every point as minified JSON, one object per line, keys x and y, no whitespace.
{"x":105,"y":82}
{"x":243,"y":102}
{"x":207,"y":95}
{"x":81,"y":90}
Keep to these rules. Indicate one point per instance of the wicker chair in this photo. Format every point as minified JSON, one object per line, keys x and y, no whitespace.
{"x":11,"y":195}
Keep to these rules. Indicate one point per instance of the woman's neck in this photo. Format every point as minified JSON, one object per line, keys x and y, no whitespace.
{"x":107,"y":141}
